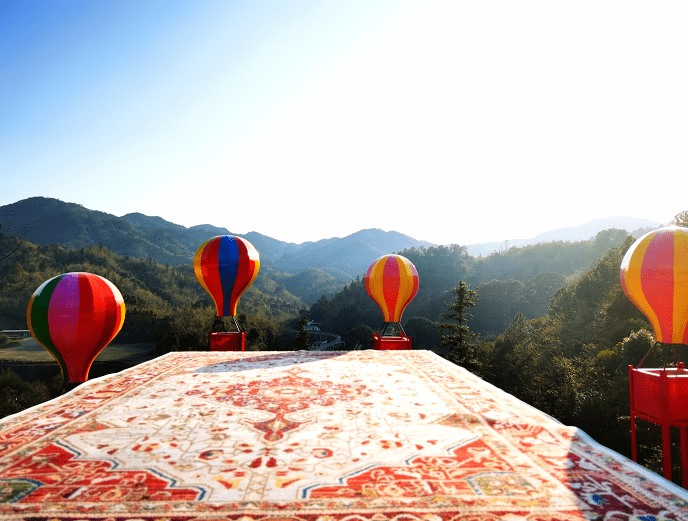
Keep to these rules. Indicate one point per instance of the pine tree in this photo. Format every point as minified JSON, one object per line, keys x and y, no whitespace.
{"x":457,"y":338}
{"x":303,"y":340}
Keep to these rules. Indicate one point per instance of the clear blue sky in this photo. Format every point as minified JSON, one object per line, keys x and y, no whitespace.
{"x":453,"y":122}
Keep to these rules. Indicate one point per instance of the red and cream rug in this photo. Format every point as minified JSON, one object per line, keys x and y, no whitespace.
{"x":313,"y":436}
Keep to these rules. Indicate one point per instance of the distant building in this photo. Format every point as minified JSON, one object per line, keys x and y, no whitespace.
{"x":311,"y":325}
{"x":16,"y":333}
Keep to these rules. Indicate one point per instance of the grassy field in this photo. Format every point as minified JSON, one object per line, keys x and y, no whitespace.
{"x":28,"y":351}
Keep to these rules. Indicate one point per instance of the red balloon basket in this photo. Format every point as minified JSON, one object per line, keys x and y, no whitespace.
{"x":391,"y":343}
{"x":660,"y":396}
{"x":227,"y":341}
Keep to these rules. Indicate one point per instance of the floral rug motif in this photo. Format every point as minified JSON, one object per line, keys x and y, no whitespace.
{"x":312,"y":436}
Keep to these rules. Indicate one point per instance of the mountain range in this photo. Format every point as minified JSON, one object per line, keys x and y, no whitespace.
{"x":584,"y":232}
{"x":45,"y":221}
{"x":50,"y":221}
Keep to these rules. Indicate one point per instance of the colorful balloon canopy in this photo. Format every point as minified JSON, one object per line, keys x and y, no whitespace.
{"x":392,"y":282}
{"x":654,"y":276}
{"x":74,"y":316}
{"x":226,"y":266}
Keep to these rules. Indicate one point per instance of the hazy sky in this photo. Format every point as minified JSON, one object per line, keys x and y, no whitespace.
{"x":453,"y":122}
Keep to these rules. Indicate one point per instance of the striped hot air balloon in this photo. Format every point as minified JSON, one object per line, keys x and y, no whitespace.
{"x":226,"y":266}
{"x":392,"y":282}
{"x":74,"y":316}
{"x":654,"y":276}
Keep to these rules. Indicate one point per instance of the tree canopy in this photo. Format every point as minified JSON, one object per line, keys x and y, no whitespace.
{"x":456,"y":335}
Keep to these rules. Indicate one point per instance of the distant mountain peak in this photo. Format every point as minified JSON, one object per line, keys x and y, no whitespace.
{"x":210,"y":228}
{"x":45,"y":220}
{"x":148,"y":220}
{"x":588,"y":230}
{"x":582,"y":232}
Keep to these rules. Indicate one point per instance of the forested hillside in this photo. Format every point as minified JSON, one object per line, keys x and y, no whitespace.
{"x":520,"y":280}
{"x":157,"y":296}
{"x":573,"y":362}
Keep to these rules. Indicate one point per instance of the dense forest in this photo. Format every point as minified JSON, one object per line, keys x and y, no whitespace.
{"x":519,"y":280}
{"x":159,"y":298}
{"x":553,"y":324}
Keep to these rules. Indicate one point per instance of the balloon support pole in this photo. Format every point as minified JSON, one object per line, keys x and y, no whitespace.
{"x":227,"y":341}
{"x":660,"y":396}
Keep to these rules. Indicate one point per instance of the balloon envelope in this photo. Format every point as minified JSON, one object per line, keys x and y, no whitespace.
{"x":654,"y":276}
{"x":74,"y":316}
{"x":392,"y":282}
{"x":226,"y":266}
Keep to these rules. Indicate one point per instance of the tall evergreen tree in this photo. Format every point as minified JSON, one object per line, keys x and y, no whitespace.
{"x":303,"y":340}
{"x":457,"y":338}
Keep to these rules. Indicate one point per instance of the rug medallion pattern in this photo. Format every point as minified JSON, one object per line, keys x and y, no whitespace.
{"x":311,"y":436}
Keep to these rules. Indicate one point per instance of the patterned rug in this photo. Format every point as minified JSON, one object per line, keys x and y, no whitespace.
{"x":312,"y":436}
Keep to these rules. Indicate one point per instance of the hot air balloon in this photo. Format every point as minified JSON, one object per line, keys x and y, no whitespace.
{"x":74,"y":316}
{"x":392,"y":282}
{"x":654,"y":276}
{"x":226,"y":266}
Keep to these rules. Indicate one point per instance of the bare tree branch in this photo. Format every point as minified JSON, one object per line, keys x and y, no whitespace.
{"x":10,"y":253}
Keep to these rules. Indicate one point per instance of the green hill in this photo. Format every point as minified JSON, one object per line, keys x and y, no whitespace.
{"x":45,"y":221}
{"x":154,"y":293}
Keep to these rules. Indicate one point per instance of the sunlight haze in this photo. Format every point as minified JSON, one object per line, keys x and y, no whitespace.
{"x":451,"y":122}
